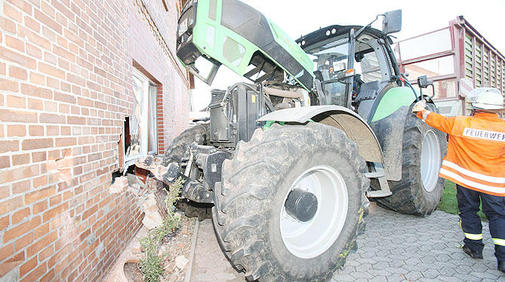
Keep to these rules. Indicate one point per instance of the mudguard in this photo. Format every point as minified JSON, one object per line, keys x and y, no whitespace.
{"x":342,"y":118}
{"x":389,"y":132}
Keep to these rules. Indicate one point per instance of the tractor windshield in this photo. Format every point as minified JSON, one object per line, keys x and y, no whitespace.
{"x":331,"y":59}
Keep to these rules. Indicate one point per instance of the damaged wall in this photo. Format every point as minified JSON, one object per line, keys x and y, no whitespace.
{"x":65,"y":89}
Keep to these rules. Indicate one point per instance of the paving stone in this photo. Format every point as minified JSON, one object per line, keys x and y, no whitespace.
{"x":398,"y":247}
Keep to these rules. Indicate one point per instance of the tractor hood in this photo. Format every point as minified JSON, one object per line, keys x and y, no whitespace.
{"x":212,"y":33}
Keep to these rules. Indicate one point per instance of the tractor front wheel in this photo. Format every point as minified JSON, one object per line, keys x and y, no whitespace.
{"x":291,"y":203}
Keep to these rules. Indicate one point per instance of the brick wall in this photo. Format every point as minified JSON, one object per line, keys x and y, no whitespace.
{"x":65,"y":89}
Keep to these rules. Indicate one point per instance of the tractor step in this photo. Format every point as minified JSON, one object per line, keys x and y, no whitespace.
{"x":378,"y":194}
{"x":380,"y":175}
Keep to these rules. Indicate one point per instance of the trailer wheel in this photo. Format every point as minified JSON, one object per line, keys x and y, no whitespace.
{"x":291,"y":203}
{"x":420,"y":190}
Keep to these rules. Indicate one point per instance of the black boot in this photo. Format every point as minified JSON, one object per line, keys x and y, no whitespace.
{"x":501,"y":266}
{"x":473,"y":254}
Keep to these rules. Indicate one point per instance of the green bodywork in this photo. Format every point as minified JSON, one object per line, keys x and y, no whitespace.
{"x":231,"y":49}
{"x":392,"y":100}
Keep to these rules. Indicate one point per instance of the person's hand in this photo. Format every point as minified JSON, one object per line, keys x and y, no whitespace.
{"x":419,"y":106}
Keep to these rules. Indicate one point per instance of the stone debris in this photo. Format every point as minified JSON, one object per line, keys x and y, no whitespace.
{"x":119,"y":185}
{"x":181,"y":262}
{"x":152,"y":218}
{"x":63,"y":167}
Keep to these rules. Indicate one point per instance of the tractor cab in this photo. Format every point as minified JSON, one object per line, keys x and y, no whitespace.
{"x":352,"y":66}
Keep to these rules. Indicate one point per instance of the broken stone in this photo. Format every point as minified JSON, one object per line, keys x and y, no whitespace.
{"x":152,"y":219}
{"x":181,"y":262}
{"x":119,"y":185}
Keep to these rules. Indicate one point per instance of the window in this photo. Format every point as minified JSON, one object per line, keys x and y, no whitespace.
{"x":143,"y":129}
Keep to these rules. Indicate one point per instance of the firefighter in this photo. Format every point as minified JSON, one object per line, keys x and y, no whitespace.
{"x":475,"y":161}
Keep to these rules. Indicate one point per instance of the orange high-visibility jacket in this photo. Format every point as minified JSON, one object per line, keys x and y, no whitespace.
{"x":476,"y":154}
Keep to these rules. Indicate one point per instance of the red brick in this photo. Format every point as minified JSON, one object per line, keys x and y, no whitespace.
{"x":36,"y":91}
{"x":35,"y":104}
{"x":26,"y":7}
{"x":17,"y":116}
{"x":39,"y":156}
{"x":36,"y":130}
{"x":47,"y":252}
{"x":10,"y":205}
{"x":15,"y":43}
{"x":51,"y":118}
{"x":53,"y":130}
{"x":50,"y":277}
{"x":27,"y":266}
{"x":23,"y":241}
{"x":37,"y":79}
{"x":6,"y":251}
{"x":40,"y":181}
{"x":7,"y":25}
{"x":5,"y":162}
{"x":20,"y":215}
{"x":32,"y":144}
{"x":18,"y":173}
{"x":36,"y":274}
{"x":34,"y":51}
{"x":21,"y":187}
{"x":32,"y":24}
{"x":16,"y":57}
{"x":55,"y":200}
{"x":51,"y":70}
{"x":55,"y":211}
{"x":76,"y":120}
{"x":9,"y":146}
{"x":16,"y":101}
{"x":39,"y":195}
{"x":69,"y":141}
{"x":39,"y":245}
{"x":9,"y":85}
{"x":12,"y":12}
{"x":40,"y":207}
{"x":64,"y":98}
{"x":4,"y":222}
{"x":16,"y":130}
{"x":21,"y":229}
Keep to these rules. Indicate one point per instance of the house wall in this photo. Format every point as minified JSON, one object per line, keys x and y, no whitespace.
{"x":65,"y":90}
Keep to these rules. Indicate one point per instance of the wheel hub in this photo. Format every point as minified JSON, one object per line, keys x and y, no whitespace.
{"x":301,"y":205}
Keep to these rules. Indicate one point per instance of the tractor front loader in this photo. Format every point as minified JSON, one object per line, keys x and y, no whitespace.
{"x":290,"y":160}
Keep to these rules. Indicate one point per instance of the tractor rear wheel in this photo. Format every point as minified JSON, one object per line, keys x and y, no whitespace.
{"x":420,"y":190}
{"x":291,"y":203}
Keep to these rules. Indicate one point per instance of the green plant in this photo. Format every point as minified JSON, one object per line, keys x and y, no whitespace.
{"x":152,"y":264}
{"x":449,"y":203}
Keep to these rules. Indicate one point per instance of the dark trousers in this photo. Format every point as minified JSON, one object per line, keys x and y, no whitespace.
{"x":494,"y":209}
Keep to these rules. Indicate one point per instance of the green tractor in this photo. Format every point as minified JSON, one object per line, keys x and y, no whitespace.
{"x":290,"y":160}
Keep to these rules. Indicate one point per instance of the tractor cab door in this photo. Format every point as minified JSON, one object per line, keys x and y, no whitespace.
{"x":373,"y":73}
{"x":352,"y":71}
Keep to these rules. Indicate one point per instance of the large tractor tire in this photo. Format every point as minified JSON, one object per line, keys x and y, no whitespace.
{"x":179,"y":150}
{"x":291,"y":203}
{"x":180,"y":145}
{"x":420,"y":190}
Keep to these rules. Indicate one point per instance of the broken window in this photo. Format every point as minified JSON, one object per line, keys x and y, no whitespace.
{"x":141,"y":128}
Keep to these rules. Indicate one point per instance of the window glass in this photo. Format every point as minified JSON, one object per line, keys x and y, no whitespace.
{"x":427,"y":44}
{"x":369,"y":68}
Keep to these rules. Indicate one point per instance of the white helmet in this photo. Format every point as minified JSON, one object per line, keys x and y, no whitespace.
{"x":486,"y":98}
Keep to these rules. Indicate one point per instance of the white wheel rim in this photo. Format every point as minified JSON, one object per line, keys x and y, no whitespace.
{"x":312,"y":238}
{"x":430,"y":160}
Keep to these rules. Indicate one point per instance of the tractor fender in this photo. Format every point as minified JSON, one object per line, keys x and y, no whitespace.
{"x":389,"y":132}
{"x":342,"y":118}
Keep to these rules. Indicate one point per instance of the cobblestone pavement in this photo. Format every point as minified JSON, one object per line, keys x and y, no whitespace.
{"x":399,"y":247}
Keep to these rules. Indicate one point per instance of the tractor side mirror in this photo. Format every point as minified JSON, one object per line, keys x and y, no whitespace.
{"x":423,"y":82}
{"x":392,"y":22}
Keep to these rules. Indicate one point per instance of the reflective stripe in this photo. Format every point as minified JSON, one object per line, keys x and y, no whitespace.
{"x":499,"y":242}
{"x":425,"y":115}
{"x":483,"y":177}
{"x":493,"y":189}
{"x":475,"y":236}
